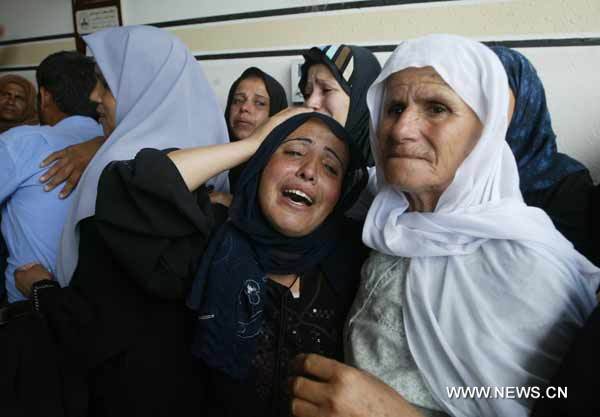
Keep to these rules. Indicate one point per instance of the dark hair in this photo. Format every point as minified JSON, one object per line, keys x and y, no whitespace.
{"x":70,"y":77}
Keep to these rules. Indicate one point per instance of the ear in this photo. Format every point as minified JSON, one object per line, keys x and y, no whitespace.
{"x":46,"y":98}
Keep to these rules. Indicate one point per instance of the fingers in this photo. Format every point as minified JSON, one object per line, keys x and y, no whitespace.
{"x":59,"y":177}
{"x":71,"y":183}
{"x":301,"y":408}
{"x":53,"y":157}
{"x":315,"y":366}
{"x":309,"y":390}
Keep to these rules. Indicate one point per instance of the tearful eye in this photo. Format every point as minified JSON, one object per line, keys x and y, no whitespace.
{"x":395,"y":109}
{"x":331,"y":169}
{"x":438,"y":108}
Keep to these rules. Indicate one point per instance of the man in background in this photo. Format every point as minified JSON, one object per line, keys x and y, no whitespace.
{"x":32,"y":219}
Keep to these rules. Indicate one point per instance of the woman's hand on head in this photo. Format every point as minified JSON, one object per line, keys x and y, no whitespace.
{"x":29,"y":274}
{"x":69,"y":164}
{"x":327,"y":388}
{"x":262,"y":131}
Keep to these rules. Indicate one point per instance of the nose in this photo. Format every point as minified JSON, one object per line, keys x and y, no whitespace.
{"x":10,"y":98}
{"x":308,"y":170}
{"x":246,"y":107}
{"x":314,"y":101}
{"x":406,"y":125}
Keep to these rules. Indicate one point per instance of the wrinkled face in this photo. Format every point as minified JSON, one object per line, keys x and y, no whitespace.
{"x":302,"y":182}
{"x":426,"y":131}
{"x":107,"y":105}
{"x":324,"y":94}
{"x":13,"y":102}
{"x":249,"y":107}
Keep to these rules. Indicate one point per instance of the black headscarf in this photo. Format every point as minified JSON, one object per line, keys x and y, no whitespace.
{"x":530,"y":134}
{"x":277,"y":102}
{"x":229,"y":287}
{"x":355,"y":68}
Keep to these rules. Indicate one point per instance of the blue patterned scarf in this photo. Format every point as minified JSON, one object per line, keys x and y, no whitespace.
{"x":530,"y":134}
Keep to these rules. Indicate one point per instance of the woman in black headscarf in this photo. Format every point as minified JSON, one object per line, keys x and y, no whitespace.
{"x":550,"y":180}
{"x":252,"y":98}
{"x":280,"y":274}
{"x":334,"y":81}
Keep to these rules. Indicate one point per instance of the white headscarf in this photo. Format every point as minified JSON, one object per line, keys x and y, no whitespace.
{"x":163,"y":101}
{"x":506,"y":318}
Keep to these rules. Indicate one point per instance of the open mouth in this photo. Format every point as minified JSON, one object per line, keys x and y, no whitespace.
{"x":298,"y":197}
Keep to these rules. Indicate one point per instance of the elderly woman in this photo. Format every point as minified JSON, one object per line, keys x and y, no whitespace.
{"x":334,"y":81}
{"x":550,"y":180}
{"x":467,"y":286}
{"x":17,"y":102}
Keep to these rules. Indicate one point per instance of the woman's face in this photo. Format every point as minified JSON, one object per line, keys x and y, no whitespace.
{"x":107,"y":105}
{"x":249,"y":107}
{"x":302,"y":182}
{"x":324,"y":94}
{"x":13,"y":102}
{"x":426,"y":131}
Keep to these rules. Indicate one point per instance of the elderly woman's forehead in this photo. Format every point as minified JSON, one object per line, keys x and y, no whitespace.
{"x":13,"y":86}
{"x":414,"y":75}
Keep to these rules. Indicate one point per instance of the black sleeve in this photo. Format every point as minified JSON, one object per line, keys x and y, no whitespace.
{"x":578,"y":373}
{"x":154,"y":227}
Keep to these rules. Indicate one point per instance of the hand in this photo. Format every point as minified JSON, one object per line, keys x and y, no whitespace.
{"x":217,"y":197}
{"x":328,"y":388}
{"x":262,"y":131}
{"x":27,"y":275}
{"x":71,"y":162}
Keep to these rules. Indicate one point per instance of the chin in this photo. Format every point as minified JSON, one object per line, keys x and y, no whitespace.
{"x":241,"y":135}
{"x":290,"y":228}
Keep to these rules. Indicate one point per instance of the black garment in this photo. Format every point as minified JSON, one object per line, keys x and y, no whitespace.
{"x":579,"y":373}
{"x":312,"y":323}
{"x":277,"y":102}
{"x":569,"y":205}
{"x":355,"y":83}
{"x":121,"y":327}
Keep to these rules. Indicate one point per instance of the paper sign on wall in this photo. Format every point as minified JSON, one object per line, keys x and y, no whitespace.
{"x":91,"y":20}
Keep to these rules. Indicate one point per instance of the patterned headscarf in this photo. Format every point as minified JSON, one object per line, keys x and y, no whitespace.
{"x":30,"y":114}
{"x":530,"y":135}
{"x":355,"y":68}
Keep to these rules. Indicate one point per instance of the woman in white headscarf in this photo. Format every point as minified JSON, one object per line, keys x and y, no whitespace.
{"x":467,"y":286}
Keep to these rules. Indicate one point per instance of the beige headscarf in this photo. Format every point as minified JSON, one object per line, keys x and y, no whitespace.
{"x":30,"y":116}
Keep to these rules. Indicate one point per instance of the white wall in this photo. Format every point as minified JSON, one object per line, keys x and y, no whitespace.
{"x":33,"y":18}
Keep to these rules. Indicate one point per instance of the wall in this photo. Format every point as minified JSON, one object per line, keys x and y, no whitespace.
{"x":562,"y":38}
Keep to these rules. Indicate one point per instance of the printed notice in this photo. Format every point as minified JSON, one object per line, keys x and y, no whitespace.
{"x":91,"y":20}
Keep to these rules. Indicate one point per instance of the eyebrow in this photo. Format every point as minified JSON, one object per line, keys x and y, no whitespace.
{"x":242,"y":93}
{"x":310,"y":141}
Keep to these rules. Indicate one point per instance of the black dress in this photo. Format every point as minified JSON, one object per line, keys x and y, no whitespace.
{"x":569,"y":205}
